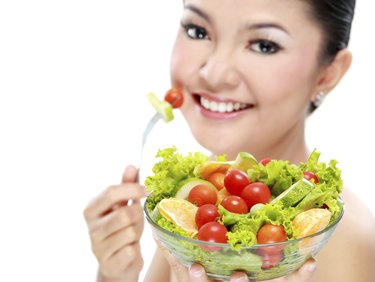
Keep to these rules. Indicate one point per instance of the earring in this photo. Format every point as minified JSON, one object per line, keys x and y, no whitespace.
{"x":318,"y":100}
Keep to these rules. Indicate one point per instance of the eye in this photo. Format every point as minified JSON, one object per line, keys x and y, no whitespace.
{"x":264,"y":47}
{"x":195,"y":32}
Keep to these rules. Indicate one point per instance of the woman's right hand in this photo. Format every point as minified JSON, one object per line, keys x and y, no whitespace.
{"x":115,"y":223}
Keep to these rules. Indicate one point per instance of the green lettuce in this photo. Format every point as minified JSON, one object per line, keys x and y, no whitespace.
{"x":172,"y":169}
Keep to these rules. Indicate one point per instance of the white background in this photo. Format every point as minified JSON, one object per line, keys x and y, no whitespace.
{"x":73,"y":79}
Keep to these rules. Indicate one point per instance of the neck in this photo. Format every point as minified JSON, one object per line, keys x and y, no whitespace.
{"x":291,"y":147}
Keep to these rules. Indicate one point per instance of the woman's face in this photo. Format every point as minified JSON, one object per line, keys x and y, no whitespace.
{"x":249,"y":69}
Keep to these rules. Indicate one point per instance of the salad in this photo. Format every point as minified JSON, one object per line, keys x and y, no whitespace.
{"x":244,"y":203}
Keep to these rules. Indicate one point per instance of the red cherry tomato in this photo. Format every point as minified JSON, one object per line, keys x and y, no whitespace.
{"x":202,"y":194}
{"x":217,"y":179}
{"x":310,"y":175}
{"x":265,"y":161}
{"x":234,"y":204}
{"x":256,"y":193}
{"x":174,"y":97}
{"x":270,"y":233}
{"x":270,"y":258}
{"x":235,"y":180}
{"x":267,"y":234}
{"x":213,"y":232}
{"x":206,"y":213}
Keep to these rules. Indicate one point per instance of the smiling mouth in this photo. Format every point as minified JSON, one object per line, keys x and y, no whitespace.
{"x":220,"y":106}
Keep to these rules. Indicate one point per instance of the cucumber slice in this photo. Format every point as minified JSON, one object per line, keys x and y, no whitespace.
{"x":244,"y":161}
{"x":294,"y":193}
{"x":162,"y":107}
{"x":188,"y":184}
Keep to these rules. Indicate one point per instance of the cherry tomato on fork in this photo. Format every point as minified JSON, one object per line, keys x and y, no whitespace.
{"x":174,"y":97}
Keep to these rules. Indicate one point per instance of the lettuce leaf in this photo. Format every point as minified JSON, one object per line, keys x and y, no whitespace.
{"x":168,"y":172}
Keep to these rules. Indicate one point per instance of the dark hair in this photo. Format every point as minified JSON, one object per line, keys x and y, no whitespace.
{"x":335,"y":18}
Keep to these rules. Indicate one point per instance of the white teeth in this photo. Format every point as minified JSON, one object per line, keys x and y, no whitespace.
{"x":213,"y":106}
{"x":221,"y":107}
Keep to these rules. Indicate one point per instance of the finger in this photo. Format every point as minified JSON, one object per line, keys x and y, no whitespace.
{"x":180,"y":271}
{"x":303,"y":274}
{"x":307,"y":270}
{"x":130,"y":174}
{"x":115,"y":221}
{"x":111,"y":196}
{"x":239,"y":277}
{"x":198,"y":274}
{"x":116,"y":241}
{"x":121,"y":260}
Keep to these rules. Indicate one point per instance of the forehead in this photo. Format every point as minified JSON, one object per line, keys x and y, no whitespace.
{"x":286,"y":12}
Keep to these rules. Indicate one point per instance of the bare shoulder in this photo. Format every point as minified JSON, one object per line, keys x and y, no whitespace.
{"x":357,"y":215}
{"x":350,"y":253}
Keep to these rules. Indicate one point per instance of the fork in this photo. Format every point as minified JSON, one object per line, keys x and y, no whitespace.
{"x":150,"y":125}
{"x":173,"y":99}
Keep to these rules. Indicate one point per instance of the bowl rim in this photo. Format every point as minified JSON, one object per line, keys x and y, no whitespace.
{"x":243,"y":247}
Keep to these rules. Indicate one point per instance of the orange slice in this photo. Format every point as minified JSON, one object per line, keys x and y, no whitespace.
{"x":181,"y":212}
{"x":311,"y":221}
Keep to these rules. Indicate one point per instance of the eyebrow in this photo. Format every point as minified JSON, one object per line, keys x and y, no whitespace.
{"x":198,"y":12}
{"x":248,"y":27}
{"x":266,"y":25}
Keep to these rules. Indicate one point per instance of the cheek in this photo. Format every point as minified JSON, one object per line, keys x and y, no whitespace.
{"x":287,"y":82}
{"x":181,"y":63}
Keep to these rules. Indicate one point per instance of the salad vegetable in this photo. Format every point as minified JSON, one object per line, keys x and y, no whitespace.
{"x":173,"y":99}
{"x":243,"y":202}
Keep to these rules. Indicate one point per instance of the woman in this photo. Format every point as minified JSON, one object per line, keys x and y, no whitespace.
{"x":251,"y":72}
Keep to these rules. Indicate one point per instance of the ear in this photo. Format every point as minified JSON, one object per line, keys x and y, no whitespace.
{"x":332,"y":73}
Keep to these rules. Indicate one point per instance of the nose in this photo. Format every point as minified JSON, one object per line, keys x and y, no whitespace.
{"x":219,"y":71}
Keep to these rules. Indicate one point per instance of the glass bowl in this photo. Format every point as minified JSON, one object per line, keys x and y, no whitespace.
{"x":220,"y":260}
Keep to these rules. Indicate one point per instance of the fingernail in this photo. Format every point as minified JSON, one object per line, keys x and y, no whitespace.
{"x":311,"y":267}
{"x":196,"y":272}
{"x":241,"y":279}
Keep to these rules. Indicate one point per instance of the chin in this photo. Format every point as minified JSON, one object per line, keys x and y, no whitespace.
{"x":218,"y":145}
